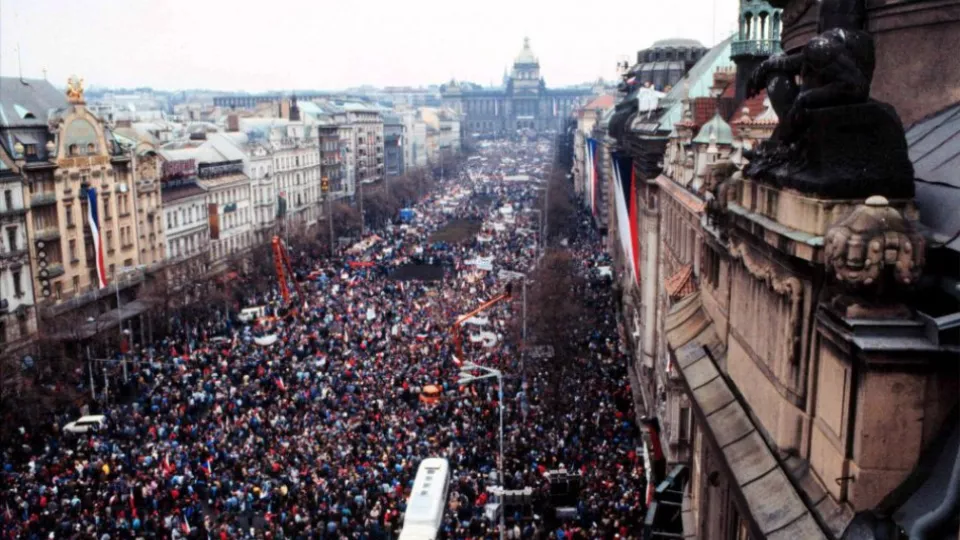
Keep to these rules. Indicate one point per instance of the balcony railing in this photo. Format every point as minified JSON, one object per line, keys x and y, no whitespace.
{"x":756,"y":47}
{"x":50,"y":233}
{"x":12,"y":212}
{"x":13,"y":253}
{"x":55,"y":270}
{"x":43,"y":199}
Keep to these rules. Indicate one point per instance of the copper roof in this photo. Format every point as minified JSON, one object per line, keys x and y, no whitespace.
{"x":601,"y":102}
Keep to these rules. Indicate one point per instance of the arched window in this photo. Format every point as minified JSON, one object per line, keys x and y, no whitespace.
{"x":763,"y":30}
{"x":746,"y":32}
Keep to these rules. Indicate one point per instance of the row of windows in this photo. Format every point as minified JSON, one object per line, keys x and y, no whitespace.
{"x":678,"y":235}
{"x":231,"y":245}
{"x":188,"y":245}
{"x":667,"y":55}
{"x":236,"y":218}
{"x":290,"y":162}
{"x":186,"y":216}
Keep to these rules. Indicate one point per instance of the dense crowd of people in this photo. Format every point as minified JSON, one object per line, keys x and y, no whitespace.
{"x":319,"y":433}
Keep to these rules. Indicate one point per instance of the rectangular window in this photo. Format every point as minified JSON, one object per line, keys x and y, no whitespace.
{"x":109,"y":241}
{"x":76,"y":283}
{"x":683,"y":431}
{"x":12,"y":238}
{"x":73,"y":250}
{"x":58,"y":288}
{"x":17,"y":288}
{"x":68,"y":211}
{"x":8,"y":199}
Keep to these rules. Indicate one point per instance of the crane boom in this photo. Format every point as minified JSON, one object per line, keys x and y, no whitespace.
{"x":281,"y":261}
{"x":455,"y":330}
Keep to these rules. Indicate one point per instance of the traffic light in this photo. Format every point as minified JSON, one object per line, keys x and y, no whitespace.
{"x":325,"y":184}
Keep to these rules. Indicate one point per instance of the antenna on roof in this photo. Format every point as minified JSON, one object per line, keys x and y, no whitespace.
{"x":20,"y":64}
{"x":44,"y":73}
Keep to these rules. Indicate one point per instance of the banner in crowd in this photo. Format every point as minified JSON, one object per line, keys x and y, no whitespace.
{"x":626,"y":200}
{"x":482,"y":263}
{"x":266,"y":340}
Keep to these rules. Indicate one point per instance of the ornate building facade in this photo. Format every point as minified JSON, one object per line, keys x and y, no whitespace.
{"x":523,"y":102}
{"x":795,"y":383}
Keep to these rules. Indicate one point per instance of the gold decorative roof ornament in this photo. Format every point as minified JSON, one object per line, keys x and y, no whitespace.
{"x":75,"y":89}
{"x":874,"y":248}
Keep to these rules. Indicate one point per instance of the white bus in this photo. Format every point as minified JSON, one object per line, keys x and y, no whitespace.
{"x":427,"y":501}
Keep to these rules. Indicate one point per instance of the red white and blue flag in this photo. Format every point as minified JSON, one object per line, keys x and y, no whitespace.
{"x":93,"y":218}
{"x":592,"y":176}
{"x":626,"y":200}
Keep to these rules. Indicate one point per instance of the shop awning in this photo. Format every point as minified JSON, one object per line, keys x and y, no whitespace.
{"x":776,"y":509}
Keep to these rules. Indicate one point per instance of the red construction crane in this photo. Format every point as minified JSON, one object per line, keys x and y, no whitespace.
{"x":457,"y":340}
{"x":284,"y":270}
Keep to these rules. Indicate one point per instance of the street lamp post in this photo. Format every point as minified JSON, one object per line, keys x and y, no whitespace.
{"x":122,"y":271}
{"x":466,"y":377}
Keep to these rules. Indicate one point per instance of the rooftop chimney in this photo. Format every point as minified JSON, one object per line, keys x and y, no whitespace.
{"x":233,"y":122}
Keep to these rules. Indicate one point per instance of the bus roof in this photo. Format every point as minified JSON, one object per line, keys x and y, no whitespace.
{"x":426,"y":502}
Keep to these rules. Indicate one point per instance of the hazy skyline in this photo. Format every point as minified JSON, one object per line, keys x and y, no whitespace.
{"x":296,"y":44}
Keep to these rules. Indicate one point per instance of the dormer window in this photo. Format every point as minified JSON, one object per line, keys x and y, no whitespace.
{"x":23,"y":112}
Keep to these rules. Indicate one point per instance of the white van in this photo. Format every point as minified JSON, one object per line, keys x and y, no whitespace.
{"x":86,"y":423}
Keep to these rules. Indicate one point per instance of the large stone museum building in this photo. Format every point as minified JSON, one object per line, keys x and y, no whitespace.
{"x":522,"y":102}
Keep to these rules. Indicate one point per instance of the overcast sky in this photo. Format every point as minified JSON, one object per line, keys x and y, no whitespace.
{"x":320,"y":44}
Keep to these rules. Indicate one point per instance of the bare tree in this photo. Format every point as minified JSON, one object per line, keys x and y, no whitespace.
{"x":557,"y":314}
{"x":346,"y":219}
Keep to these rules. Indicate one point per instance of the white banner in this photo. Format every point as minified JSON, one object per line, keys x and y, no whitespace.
{"x":477,"y":321}
{"x":265,"y":340}
{"x":489,"y":339}
{"x":482,"y":263}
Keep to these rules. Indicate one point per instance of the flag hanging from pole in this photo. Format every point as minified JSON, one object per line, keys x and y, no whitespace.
{"x":625,"y":197}
{"x":592,"y":174}
{"x":93,"y":220}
